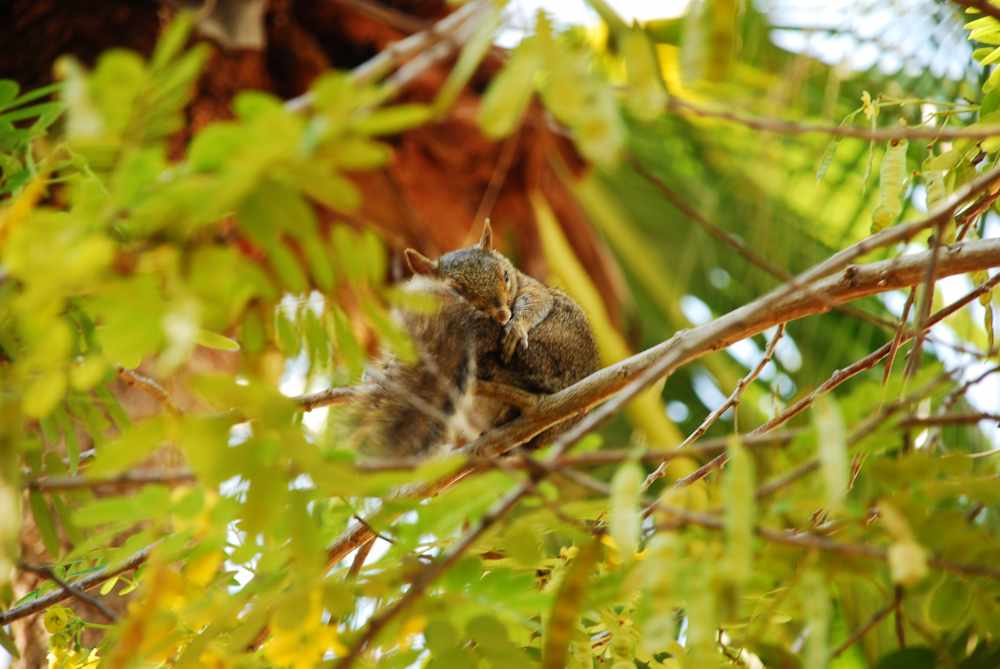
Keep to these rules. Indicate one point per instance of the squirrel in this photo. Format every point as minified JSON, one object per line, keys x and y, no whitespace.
{"x":493,"y":323}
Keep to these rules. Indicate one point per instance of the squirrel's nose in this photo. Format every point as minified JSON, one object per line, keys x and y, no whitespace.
{"x":502,"y":315}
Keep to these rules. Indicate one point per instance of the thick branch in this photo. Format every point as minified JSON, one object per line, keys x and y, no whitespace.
{"x":854,"y":282}
{"x":743,"y":322}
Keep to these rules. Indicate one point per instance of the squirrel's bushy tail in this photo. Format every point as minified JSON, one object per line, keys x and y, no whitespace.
{"x":428,"y":406}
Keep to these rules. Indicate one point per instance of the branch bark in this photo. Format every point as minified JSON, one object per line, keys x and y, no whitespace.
{"x":856,"y":281}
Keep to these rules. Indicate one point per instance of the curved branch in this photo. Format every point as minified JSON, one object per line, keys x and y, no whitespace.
{"x":639,"y":371}
{"x":858,"y":281}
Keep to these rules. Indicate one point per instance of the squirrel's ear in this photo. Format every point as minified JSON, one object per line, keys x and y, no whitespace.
{"x":419,"y":263}
{"x":486,"y":241}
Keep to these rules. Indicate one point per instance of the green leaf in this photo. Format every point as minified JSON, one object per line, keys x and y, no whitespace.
{"x":216,"y":341}
{"x":948,"y":603}
{"x":740,"y":513}
{"x":566,"y":607}
{"x":623,"y":512}
{"x":254,"y":105}
{"x":523,"y":544}
{"x":151,"y":502}
{"x":509,"y":94}
{"x":289,"y":342}
{"x":326,"y":186}
{"x":172,"y":39}
{"x":472,"y":54}
{"x":832,"y":444}
{"x":393,"y":120}
{"x":203,"y":439}
{"x":215,"y":145}
{"x":892,"y":182}
{"x":46,"y":524}
{"x":44,"y":393}
{"x":816,"y":609}
{"x":349,"y":350}
{"x":7,"y":643}
{"x":914,"y":657}
{"x":647,"y":96}
{"x":659,"y":627}
{"x":358,"y":153}
{"x":8,"y":91}
{"x":135,"y":444}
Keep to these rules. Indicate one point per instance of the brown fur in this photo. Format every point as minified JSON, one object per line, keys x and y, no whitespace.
{"x":493,"y":323}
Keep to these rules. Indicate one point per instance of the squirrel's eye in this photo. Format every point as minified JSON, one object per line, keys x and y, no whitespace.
{"x":506,"y":276}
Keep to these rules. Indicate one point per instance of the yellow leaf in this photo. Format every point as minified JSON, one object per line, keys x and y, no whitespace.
{"x":202,"y":569}
{"x":907,"y":562}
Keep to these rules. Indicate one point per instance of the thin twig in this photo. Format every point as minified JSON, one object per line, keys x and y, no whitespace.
{"x":839,"y":377}
{"x":497,"y":179}
{"x":401,"y":21}
{"x":359,"y":559}
{"x":85,"y":583}
{"x":634,"y":373}
{"x":860,"y":432}
{"x":333,"y":396}
{"x":430,"y":573}
{"x":950,"y":419}
{"x":399,"y":52}
{"x":138,"y":477}
{"x":784,"y":127}
{"x":731,"y":402}
{"x":150,"y":386}
{"x":897,"y":340}
{"x":604,"y":457}
{"x":876,"y":618}
{"x":926,"y":300}
{"x":46,"y":571}
{"x":814,"y":542}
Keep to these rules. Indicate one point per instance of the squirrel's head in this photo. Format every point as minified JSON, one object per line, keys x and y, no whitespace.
{"x":479,"y":274}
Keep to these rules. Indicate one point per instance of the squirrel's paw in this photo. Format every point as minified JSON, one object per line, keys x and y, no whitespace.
{"x":513,"y":334}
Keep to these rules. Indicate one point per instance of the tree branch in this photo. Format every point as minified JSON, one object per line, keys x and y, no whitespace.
{"x":47,"y":572}
{"x":332,"y":396}
{"x":738,"y":324}
{"x":89,"y":581}
{"x":636,"y":373}
{"x":876,"y":618}
{"x":950,"y":419}
{"x":815,"y":542}
{"x":399,"y":52}
{"x":840,"y":376}
{"x":137,"y":477}
{"x":784,"y":127}
{"x":984,"y":6}
{"x":731,"y":402}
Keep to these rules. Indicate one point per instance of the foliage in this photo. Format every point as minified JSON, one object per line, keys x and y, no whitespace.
{"x":131,"y":250}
